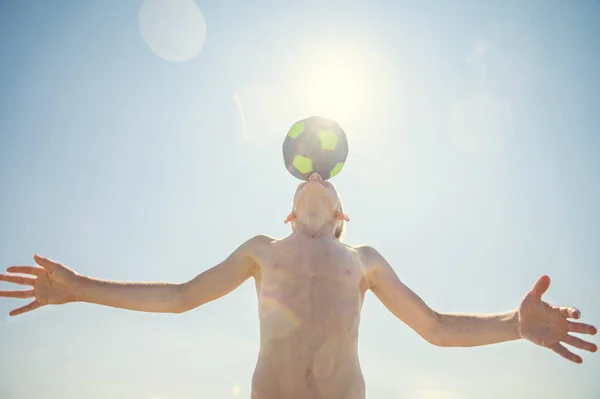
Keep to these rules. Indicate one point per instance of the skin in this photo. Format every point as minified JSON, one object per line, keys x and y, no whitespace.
{"x":311,"y":288}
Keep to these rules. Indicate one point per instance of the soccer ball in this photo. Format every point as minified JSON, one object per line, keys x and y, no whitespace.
{"x":315,"y":145}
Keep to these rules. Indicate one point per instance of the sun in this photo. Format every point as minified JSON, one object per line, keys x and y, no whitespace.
{"x":352,"y":83}
{"x":340,"y":82}
{"x":334,"y":87}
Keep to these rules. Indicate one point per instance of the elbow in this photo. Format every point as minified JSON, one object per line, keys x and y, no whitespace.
{"x":434,"y":334}
{"x":444,"y":332}
{"x":181,"y":302}
{"x":185,"y":299}
{"x":436,"y":341}
{"x":178,"y":309}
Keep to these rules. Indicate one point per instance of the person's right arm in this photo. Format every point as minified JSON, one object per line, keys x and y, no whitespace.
{"x":54,"y":283}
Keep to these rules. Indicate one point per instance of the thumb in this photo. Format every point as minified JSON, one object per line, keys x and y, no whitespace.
{"x":46,"y":263}
{"x":540,"y":287}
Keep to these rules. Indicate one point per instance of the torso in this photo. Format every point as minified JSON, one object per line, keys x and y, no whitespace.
{"x":310,"y":293}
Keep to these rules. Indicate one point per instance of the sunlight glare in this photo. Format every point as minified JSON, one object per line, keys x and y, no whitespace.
{"x":354,"y":85}
{"x":334,"y":88}
{"x":504,"y":57}
{"x":262,"y":112}
{"x":174,"y":30}
{"x":343,"y":82}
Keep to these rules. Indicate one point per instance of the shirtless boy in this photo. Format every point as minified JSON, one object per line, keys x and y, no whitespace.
{"x":321,"y":280}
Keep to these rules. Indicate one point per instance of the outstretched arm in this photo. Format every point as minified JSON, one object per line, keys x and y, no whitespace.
{"x":407,"y":306}
{"x":226,"y":276}
{"x":543,"y":324}
{"x":53,"y":283}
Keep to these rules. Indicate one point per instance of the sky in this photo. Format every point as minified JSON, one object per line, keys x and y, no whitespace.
{"x":141,"y":141}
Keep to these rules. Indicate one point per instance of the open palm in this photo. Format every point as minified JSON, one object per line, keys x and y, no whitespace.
{"x":51,"y":284}
{"x":549,"y":326}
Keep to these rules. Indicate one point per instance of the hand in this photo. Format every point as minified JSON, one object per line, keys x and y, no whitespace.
{"x":548,"y":325}
{"x":51,"y":282}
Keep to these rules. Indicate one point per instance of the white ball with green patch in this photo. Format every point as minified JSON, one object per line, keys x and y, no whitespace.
{"x":315,"y":145}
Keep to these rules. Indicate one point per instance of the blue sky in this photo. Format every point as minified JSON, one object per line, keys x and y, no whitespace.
{"x":472,"y":168}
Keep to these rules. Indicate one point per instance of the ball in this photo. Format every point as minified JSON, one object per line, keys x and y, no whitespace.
{"x":315,"y":145}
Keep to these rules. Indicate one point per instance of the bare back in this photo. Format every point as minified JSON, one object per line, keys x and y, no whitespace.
{"x":310,"y":293}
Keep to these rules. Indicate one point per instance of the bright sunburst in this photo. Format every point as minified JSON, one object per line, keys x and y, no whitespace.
{"x":352,"y":84}
{"x":334,"y":87}
{"x":342,"y":82}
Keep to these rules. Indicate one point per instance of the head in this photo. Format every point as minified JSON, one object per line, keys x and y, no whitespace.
{"x":317,"y":208}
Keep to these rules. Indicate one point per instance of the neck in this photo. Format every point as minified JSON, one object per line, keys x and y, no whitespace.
{"x":315,"y":226}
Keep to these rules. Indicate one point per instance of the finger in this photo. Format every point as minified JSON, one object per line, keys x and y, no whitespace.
{"x":32,"y":306}
{"x":581,"y":328}
{"x":17,"y":279}
{"x":569,"y":312}
{"x":35,"y":271}
{"x":540,"y":287}
{"x":564,"y":352}
{"x":18,"y":294}
{"x":581,"y":344}
{"x":46,"y":263}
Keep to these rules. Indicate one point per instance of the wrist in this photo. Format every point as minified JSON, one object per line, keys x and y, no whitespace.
{"x":513,"y":320}
{"x":79,"y":287}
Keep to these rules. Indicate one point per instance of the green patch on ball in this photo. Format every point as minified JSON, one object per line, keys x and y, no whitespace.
{"x":302,"y":164}
{"x":328,"y":139}
{"x":315,"y":145}
{"x":296,"y":130}
{"x":336,"y":169}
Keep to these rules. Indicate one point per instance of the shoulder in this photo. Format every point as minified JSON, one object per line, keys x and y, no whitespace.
{"x":375,"y":266}
{"x":255,"y":245}
{"x":261,"y":240}
{"x":368,"y":255}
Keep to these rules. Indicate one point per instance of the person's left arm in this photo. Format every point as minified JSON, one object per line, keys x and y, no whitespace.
{"x":537,"y":321}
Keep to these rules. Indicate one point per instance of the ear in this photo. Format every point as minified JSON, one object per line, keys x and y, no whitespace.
{"x":290,"y":218}
{"x":341,"y":216}
{"x":340,"y":226}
